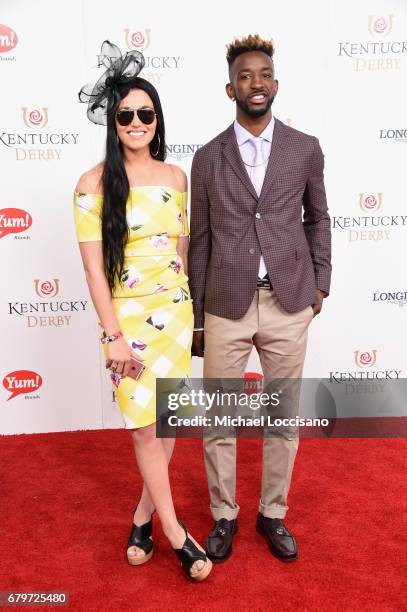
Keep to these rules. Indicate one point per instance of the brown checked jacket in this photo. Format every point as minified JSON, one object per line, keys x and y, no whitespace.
{"x":231,"y":226}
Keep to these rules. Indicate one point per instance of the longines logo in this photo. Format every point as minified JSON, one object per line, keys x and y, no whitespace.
{"x":37,"y":144}
{"x":391,"y":297}
{"x":365,"y":362}
{"x":181,"y":151}
{"x":47,"y":313}
{"x":22,"y":382}
{"x":14,"y":221}
{"x":8,"y":41}
{"x":370,"y":226}
{"x":380,"y":54}
{"x":396,"y":135}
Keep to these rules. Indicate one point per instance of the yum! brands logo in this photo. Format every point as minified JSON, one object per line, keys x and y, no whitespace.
{"x":378,"y":55}
{"x":35,"y":118}
{"x":8,"y":42}
{"x":47,"y":312}
{"x":22,"y":382}
{"x":253,"y":383}
{"x":14,"y":221}
{"x":370,"y":226}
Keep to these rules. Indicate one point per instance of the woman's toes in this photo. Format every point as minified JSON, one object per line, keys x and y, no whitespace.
{"x":197,"y":566}
{"x":135,"y":552}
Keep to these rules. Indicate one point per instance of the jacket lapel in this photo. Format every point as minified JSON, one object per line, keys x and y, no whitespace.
{"x":231,"y":152}
{"x":277,"y":158}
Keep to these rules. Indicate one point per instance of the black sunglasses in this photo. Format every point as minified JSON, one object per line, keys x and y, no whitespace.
{"x":126,"y":115}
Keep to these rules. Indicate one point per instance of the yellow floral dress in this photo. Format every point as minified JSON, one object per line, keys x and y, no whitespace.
{"x":153,"y":303}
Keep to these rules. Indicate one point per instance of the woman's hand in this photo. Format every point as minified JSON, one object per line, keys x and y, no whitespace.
{"x":119,"y":357}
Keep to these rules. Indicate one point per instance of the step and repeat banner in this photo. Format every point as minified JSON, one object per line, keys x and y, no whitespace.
{"x":342,"y":70}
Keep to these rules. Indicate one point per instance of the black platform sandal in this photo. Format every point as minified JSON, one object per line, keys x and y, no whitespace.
{"x":189,"y":554}
{"x":141,"y":537}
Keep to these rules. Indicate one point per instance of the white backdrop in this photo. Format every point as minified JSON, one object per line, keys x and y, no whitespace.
{"x":342,"y":68}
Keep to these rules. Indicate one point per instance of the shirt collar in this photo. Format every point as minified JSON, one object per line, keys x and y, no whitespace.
{"x":243,"y":135}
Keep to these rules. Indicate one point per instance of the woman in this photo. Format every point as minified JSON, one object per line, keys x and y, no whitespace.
{"x":130,"y":216}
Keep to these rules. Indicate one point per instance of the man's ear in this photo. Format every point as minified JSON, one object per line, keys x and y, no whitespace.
{"x":229,"y":91}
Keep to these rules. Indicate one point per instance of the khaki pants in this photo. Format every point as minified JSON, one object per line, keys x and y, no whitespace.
{"x":280,"y":339}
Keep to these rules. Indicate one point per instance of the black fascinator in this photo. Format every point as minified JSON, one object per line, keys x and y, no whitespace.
{"x":120,"y":69}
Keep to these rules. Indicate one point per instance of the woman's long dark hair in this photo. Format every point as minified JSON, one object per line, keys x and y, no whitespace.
{"x":116,"y":184}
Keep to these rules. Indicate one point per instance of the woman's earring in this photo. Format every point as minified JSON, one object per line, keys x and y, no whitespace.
{"x":158,"y":148}
{"x":117,"y":138}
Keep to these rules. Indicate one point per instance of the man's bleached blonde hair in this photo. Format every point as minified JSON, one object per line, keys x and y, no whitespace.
{"x":252,"y":42}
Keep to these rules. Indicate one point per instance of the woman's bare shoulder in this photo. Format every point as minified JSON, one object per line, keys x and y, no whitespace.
{"x":91,"y":181}
{"x":179,"y":176}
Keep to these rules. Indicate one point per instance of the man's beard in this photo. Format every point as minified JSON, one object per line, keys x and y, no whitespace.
{"x":254,"y":112}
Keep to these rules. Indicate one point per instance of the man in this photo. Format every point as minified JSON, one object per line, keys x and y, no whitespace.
{"x":259,"y":268}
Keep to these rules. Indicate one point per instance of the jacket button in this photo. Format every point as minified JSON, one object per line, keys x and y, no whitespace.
{"x":251,"y":251}
{"x":258,"y":216}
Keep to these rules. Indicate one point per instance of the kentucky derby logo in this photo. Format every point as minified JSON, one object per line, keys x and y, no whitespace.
{"x":370,"y":202}
{"x":366,"y":359}
{"x":380,"y":26}
{"x":372,"y":224}
{"x":35,"y":118}
{"x":8,"y":39}
{"x":21,"y":382}
{"x":47,"y":312}
{"x":138,"y":39}
{"x":46,"y":288}
{"x":379,"y":53}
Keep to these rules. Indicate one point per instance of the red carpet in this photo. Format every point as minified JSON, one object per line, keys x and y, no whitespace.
{"x":66,"y":505}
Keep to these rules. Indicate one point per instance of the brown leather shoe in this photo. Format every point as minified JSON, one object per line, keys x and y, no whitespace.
{"x":281,"y":542}
{"x":219,"y":543}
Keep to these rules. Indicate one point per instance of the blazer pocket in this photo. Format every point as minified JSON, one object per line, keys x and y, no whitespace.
{"x":215,"y":261}
{"x":302,"y":251}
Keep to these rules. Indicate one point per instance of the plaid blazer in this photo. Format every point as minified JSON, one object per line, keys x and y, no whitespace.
{"x":231,"y":226}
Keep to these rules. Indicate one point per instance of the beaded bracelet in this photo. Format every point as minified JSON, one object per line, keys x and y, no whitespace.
{"x":111,"y":338}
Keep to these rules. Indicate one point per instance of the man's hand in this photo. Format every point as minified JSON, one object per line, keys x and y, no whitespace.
{"x":198,"y":343}
{"x":319,"y":298}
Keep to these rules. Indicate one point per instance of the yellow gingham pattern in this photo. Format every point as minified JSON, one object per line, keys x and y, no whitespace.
{"x":153,"y":304}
